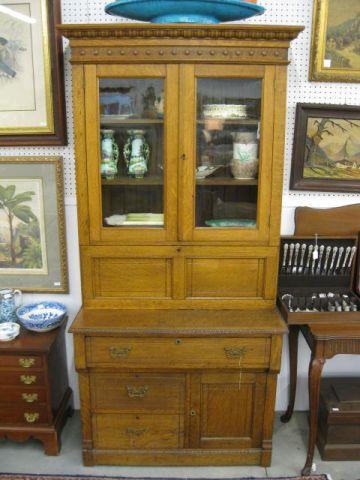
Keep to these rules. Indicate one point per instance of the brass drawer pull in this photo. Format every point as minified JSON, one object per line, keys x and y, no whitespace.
{"x":28,"y":379}
{"x":235,"y":352}
{"x":136,"y":431}
{"x":31,"y":417}
{"x":137,"y":392}
{"x":26,"y":362}
{"x":116,"y":352}
{"x":30,"y":397}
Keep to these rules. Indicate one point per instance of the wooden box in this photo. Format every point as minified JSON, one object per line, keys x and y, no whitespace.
{"x":339,"y":419}
{"x":314,"y":291}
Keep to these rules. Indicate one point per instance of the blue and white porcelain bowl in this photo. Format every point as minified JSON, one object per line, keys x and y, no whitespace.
{"x":41,"y":316}
{"x":9,"y":331}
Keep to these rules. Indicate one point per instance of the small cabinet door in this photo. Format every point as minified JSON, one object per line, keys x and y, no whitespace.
{"x":227,"y":410}
{"x":226,"y":139}
{"x":132,"y":151}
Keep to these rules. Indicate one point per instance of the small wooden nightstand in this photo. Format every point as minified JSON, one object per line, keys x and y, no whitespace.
{"x":35,"y":398}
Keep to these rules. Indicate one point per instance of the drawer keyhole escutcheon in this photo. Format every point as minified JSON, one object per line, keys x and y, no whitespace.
{"x":137,"y":392}
{"x":30,"y":397}
{"x":137,"y":432}
{"x":192,"y":413}
{"x":31,"y":417}
{"x":116,"y":352}
{"x":28,"y":379}
{"x":235,"y":352}
{"x":178,"y":341}
{"x":26,"y":362}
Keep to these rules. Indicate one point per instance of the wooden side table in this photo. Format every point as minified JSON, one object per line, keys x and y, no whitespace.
{"x":35,"y":398}
{"x":325,"y":341}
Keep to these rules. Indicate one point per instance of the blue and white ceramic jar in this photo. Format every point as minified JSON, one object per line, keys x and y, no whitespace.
{"x":9,"y":301}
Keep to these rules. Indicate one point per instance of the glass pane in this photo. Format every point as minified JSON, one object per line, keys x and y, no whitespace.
{"x":227,"y":153}
{"x":131,"y":156}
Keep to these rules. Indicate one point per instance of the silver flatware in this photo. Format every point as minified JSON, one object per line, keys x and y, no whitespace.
{"x":347,"y":253}
{"x":353,"y":251}
{"x":285,"y":251}
{"x":297,"y":250}
{"x":333,"y":256}
{"x":327,"y":255}
{"x":318,"y":269}
{"x":336,"y":269}
{"x":291,"y":253}
{"x":307,"y":265}
{"x":302,"y":256}
{"x":315,"y":256}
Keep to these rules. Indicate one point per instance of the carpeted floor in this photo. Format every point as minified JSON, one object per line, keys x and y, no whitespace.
{"x":24,"y":476}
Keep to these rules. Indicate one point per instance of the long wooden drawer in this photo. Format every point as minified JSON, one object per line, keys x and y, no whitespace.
{"x":22,"y":395}
{"x":20,"y":377}
{"x":29,"y":415}
{"x":138,"y":393}
{"x":178,"y":352}
{"x":21,"y":361}
{"x":138,"y":431}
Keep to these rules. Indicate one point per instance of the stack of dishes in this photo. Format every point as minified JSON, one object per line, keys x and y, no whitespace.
{"x":225,"y":111}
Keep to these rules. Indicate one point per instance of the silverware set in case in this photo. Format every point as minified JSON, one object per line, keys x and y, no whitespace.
{"x":314,"y":260}
{"x":321,"y":302}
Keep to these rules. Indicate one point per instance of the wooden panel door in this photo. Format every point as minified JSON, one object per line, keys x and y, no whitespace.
{"x":227,"y":410}
{"x":226,"y":151}
{"x":132,"y":193}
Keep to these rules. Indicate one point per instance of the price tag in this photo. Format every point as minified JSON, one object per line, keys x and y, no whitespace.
{"x":327,"y":63}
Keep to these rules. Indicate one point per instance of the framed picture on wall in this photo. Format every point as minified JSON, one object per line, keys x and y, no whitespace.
{"x":32,"y":107}
{"x":326,"y":154}
{"x":335,"y":48}
{"x":32,"y":225}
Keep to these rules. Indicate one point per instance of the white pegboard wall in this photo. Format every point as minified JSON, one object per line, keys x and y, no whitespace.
{"x":287,"y":12}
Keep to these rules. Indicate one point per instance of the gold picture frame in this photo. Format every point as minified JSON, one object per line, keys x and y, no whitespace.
{"x":32,"y":225}
{"x":335,"y":57}
{"x":32,"y":105}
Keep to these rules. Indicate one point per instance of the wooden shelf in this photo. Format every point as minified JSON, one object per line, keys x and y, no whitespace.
{"x":116,"y":120}
{"x":235,"y":121}
{"x":226,"y":181}
{"x":149,"y":180}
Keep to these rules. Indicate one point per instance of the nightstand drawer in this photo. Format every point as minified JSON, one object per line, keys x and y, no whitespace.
{"x":138,"y":431}
{"x":138,"y":393}
{"x":19,"y":377}
{"x":21,"y":361}
{"x":22,"y":395}
{"x":29,"y":415}
{"x":179,"y":352}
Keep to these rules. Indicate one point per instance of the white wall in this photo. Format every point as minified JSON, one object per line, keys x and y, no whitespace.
{"x":299,"y":90}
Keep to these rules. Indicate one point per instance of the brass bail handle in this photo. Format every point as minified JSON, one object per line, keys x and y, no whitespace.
{"x":235,"y":352}
{"x":137,"y":392}
{"x":117,"y":352}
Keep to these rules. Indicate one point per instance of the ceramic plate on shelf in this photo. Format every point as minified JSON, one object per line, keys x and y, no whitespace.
{"x":9,"y":331}
{"x":205,"y":170}
{"x":184,"y":11}
{"x":231,"y":222}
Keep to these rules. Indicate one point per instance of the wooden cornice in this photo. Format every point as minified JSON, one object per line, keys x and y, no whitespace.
{"x":179,"y":31}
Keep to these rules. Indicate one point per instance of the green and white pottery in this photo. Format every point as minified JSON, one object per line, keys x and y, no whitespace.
{"x":136,"y":154}
{"x":109,"y":154}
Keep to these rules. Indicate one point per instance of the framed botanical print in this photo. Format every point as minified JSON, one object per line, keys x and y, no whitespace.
{"x":32,"y":108}
{"x":32,"y":225}
{"x":335,"y":49}
{"x":326,"y":155}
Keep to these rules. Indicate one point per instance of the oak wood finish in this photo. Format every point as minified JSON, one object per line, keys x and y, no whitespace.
{"x":178,"y":343}
{"x":35,"y":398}
{"x":325,"y":339}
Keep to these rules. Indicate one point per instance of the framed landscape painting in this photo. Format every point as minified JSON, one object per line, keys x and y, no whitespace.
{"x":335,"y":49}
{"x":326,"y":155}
{"x":32,"y":228}
{"x":32,"y":110}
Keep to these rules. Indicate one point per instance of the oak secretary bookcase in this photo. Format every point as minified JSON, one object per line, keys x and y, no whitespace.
{"x":179,"y":135}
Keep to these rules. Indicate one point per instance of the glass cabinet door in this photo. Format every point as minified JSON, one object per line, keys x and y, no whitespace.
{"x":133,"y":161}
{"x":227,"y":165}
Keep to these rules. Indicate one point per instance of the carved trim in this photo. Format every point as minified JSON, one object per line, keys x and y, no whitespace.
{"x":176,"y":54}
{"x":151,"y":31}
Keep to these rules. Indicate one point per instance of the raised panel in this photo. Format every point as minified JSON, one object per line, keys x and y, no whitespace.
{"x":138,"y":431}
{"x":133,"y":277}
{"x":232,"y":408}
{"x":224,"y":277}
